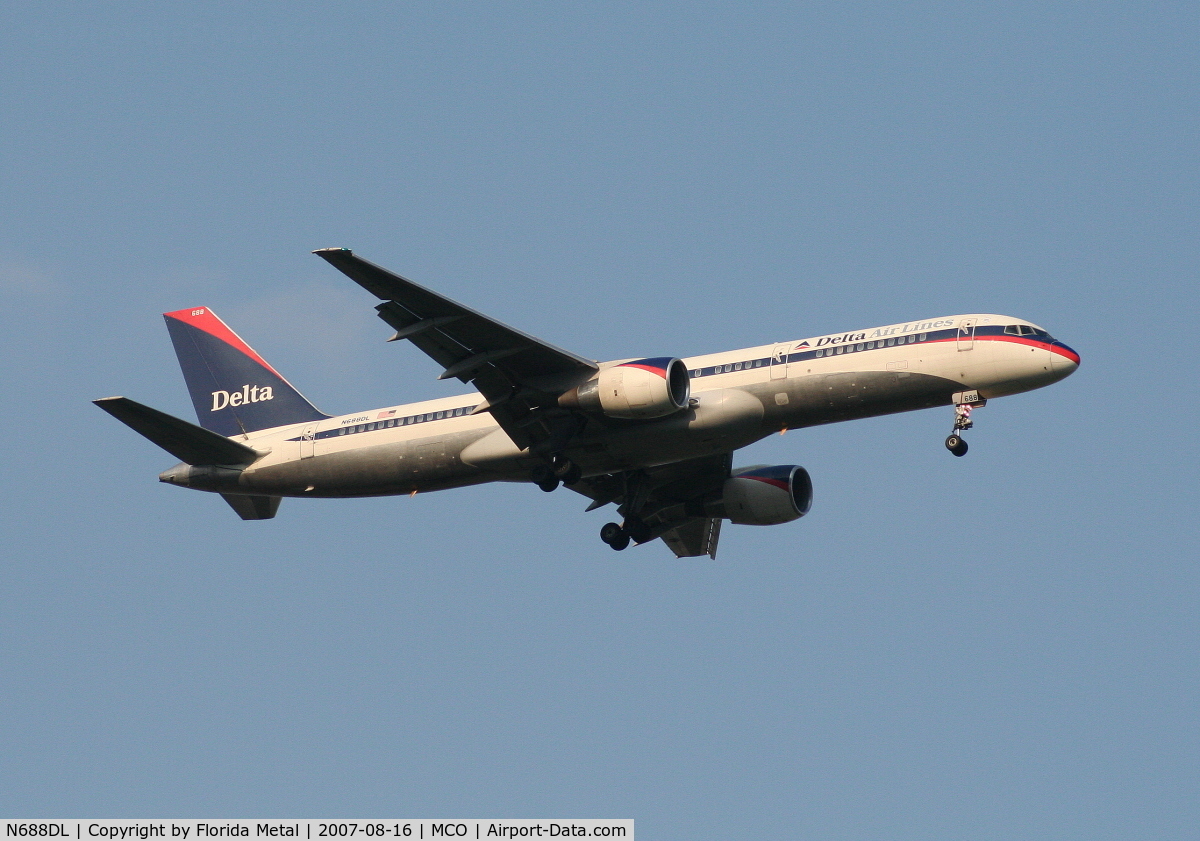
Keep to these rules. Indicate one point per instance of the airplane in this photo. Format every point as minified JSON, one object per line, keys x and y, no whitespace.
{"x":654,"y":436}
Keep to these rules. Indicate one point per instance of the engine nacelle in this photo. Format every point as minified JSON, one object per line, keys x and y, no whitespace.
{"x":643,"y":388}
{"x":764,"y":495}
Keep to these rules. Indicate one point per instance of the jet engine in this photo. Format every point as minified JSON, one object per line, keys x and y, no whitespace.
{"x":764,"y":495}
{"x":642,"y":388}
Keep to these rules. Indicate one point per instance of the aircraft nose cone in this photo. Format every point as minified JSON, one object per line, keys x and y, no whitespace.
{"x":1063,"y":360}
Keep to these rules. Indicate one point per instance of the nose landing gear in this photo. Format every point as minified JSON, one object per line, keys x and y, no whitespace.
{"x":964,"y":402}
{"x":956,"y":445}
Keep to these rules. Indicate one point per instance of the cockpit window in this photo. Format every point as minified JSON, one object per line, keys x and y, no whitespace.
{"x":1013,"y":330}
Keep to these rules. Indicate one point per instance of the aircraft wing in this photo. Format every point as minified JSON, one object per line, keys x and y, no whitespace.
{"x":669,"y":499}
{"x":519,"y":376}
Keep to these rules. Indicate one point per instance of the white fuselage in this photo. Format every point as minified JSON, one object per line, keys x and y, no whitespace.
{"x":738,"y":397}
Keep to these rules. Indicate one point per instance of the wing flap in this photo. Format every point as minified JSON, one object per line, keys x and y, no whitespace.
{"x":694,"y":538}
{"x":667,"y":499}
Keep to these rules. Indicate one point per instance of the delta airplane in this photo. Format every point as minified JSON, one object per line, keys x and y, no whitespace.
{"x":653,"y":436}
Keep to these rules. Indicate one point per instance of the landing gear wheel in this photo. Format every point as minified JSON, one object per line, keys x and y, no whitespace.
{"x":573,"y":474}
{"x":544,"y":478}
{"x":956,"y":445}
{"x":638,"y":531}
{"x":614,"y":536}
{"x":610,"y":532}
{"x":565,"y":469}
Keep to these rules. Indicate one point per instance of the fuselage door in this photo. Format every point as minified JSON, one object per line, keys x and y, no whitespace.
{"x":308,"y":441}
{"x":779,"y":362}
{"x":966,"y":334}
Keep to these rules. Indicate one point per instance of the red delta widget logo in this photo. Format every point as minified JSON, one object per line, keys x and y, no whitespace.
{"x":248,"y":394}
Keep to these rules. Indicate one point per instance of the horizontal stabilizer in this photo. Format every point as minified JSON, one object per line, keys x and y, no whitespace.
{"x":187,"y":442}
{"x":253,"y":506}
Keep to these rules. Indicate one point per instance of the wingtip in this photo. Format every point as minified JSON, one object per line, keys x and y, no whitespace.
{"x":321,"y":252}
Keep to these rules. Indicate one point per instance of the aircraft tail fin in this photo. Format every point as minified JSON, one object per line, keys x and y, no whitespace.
{"x":234,"y":390}
{"x":189,"y":443}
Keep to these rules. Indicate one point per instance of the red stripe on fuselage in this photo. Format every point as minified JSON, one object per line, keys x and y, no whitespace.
{"x":202,"y":318}
{"x":1061,"y":350}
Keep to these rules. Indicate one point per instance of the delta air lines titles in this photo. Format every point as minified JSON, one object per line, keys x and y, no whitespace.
{"x":878,"y":332}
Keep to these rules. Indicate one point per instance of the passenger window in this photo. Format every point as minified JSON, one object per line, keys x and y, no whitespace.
{"x":870,"y":345}
{"x":737,"y":366}
{"x":342,"y":431}
{"x":891,"y":342}
{"x":819,"y":354}
{"x":924,"y":336}
{"x":840,"y":350}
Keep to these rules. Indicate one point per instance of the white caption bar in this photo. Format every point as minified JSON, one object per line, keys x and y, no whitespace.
{"x":320,"y":830}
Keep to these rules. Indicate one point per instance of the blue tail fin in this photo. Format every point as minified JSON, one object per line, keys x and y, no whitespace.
{"x":233,"y":389}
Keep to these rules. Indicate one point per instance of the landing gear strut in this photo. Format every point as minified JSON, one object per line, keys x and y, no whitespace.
{"x":964,"y":402}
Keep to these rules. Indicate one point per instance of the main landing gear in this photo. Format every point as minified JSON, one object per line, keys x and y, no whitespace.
{"x":614,"y":536}
{"x":560,"y":469}
{"x":964,"y":402}
{"x":619,"y":537}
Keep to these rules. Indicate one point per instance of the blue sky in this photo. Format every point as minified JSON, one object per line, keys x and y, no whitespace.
{"x":991,"y":647}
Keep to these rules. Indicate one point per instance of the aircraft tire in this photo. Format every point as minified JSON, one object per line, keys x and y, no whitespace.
{"x":544,"y":478}
{"x":573,"y":474}
{"x":610,"y":532}
{"x":956,"y":445}
{"x":638,"y":531}
{"x":621,"y":543}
